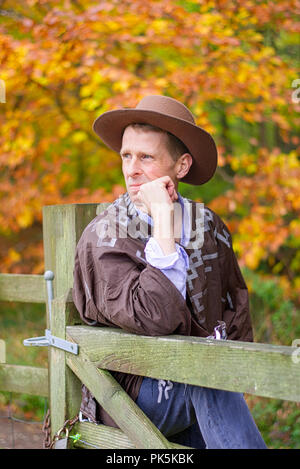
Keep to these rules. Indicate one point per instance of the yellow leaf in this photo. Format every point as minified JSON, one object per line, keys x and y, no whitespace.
{"x":64,"y":129}
{"x":13,"y":255}
{"x":253,"y":257}
{"x":25,"y":219}
{"x":160,"y":26}
{"x":79,"y":136}
{"x":120,"y":86}
{"x":90,"y":104}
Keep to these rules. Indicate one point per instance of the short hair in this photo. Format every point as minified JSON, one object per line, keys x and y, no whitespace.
{"x":175,"y":146}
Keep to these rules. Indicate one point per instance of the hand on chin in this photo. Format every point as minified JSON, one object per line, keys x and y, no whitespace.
{"x":135,"y":197}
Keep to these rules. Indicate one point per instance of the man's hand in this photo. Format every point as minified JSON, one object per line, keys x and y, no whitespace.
{"x":156,"y":193}
{"x":157,"y":198}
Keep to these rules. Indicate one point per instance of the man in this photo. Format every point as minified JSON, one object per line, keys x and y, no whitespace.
{"x":155,"y":263}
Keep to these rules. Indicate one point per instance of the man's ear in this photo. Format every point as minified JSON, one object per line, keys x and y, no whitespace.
{"x":183,"y":165}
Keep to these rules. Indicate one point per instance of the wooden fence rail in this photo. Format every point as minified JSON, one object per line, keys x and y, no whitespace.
{"x":25,"y":379}
{"x":18,"y":378}
{"x":23,"y":288}
{"x":260,"y":369}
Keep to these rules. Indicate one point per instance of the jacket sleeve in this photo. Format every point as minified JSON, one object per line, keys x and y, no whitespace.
{"x":235,"y":296}
{"x":112,"y":288}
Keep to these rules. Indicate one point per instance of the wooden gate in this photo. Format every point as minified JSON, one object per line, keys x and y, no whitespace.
{"x":260,"y":369}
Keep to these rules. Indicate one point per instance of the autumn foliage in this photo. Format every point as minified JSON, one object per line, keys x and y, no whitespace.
{"x":233,"y":63}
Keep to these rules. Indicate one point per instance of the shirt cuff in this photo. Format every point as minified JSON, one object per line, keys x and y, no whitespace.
{"x":155,"y":256}
{"x":173,"y":266}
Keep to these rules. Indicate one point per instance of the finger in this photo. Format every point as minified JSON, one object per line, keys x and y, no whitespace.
{"x":172,"y":192}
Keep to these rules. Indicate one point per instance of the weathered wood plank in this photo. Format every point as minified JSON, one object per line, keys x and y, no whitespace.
{"x":112,"y":397}
{"x":57,"y":368}
{"x":62,"y":228}
{"x":22,"y":287}
{"x":104,"y":437}
{"x":24,"y":379}
{"x":260,"y":369}
{"x":64,"y":386}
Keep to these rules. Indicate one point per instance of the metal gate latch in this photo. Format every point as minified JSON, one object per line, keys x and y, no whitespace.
{"x":48,"y":338}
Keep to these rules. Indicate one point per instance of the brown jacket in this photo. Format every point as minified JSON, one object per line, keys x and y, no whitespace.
{"x":114,"y":286}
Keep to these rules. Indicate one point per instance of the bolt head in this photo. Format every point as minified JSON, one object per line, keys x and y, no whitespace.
{"x":48,"y":275}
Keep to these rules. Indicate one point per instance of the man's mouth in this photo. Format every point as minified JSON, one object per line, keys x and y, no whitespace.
{"x":135,"y":186}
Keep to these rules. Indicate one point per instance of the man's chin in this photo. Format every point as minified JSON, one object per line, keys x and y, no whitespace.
{"x":138,"y":204}
{"x":135,"y":200}
{"x":133,"y":194}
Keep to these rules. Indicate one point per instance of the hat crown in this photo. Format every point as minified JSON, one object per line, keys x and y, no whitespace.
{"x":167,"y":106}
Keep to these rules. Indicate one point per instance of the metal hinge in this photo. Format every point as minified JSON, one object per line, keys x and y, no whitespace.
{"x":48,"y":339}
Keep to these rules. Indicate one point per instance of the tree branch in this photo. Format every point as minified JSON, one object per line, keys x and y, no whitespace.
{"x":56,"y":94}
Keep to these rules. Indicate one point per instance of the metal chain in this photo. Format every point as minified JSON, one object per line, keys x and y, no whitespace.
{"x":48,"y":443}
{"x":65,"y":429}
{"x":47,"y":430}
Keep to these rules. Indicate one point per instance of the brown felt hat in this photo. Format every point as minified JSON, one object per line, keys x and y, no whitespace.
{"x":170,"y":115}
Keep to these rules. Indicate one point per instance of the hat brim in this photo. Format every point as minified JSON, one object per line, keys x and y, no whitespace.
{"x":111,"y":124}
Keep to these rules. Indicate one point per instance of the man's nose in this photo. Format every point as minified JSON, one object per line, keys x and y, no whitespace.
{"x":133,"y":167}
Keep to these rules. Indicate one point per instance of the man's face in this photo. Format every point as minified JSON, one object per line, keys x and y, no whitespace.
{"x":144,"y":158}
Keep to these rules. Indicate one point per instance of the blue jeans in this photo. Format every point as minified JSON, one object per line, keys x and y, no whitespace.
{"x":199,"y":417}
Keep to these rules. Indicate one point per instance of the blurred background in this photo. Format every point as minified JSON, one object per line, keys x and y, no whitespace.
{"x":235,"y":64}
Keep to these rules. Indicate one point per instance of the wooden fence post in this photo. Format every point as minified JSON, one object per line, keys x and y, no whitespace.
{"x":62,"y":228}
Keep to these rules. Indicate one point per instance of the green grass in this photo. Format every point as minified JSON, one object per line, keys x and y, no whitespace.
{"x":277,"y":420}
{"x":275,"y":320}
{"x":19,"y":321}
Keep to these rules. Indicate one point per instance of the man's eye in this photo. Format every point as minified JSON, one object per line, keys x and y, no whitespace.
{"x":124,"y":156}
{"x":147,"y":157}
